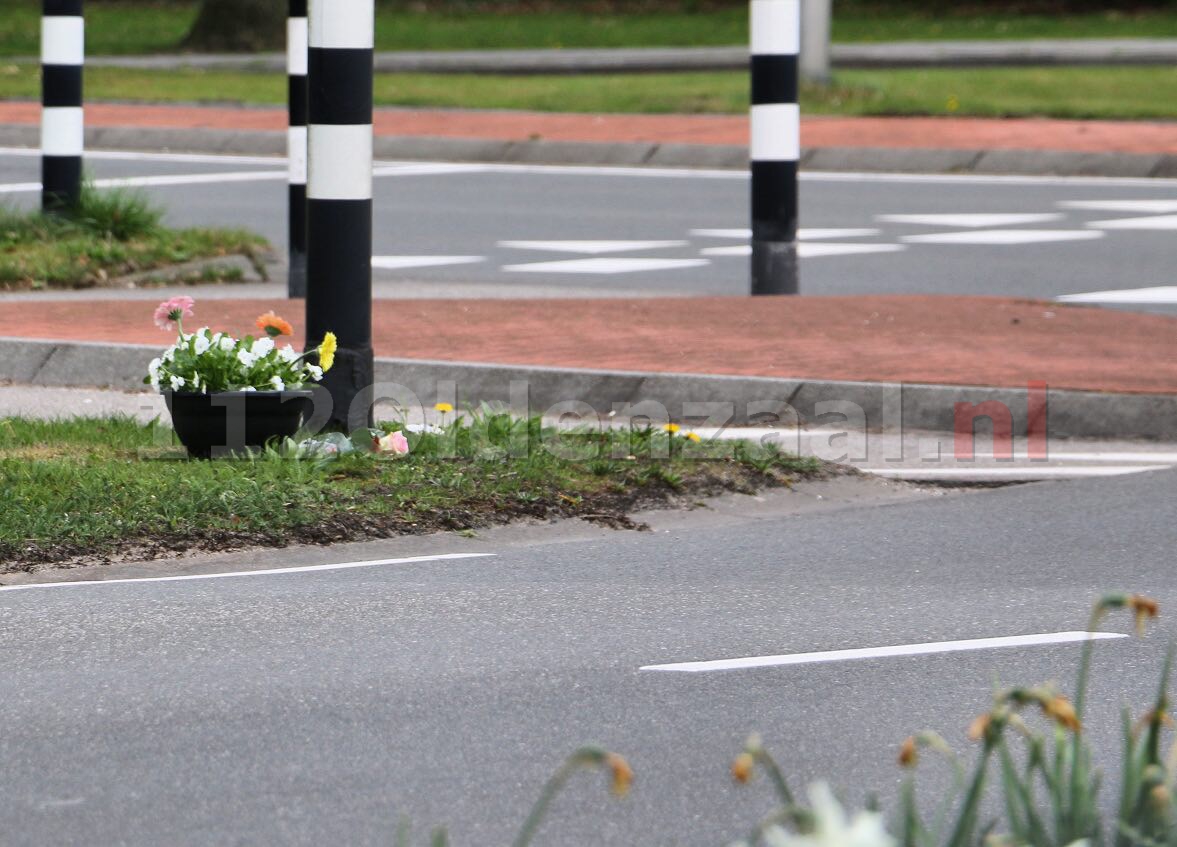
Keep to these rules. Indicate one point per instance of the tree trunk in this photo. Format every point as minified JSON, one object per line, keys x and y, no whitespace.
{"x":238,"y":26}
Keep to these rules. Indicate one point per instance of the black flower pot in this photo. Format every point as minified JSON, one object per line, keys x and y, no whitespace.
{"x":228,"y":422}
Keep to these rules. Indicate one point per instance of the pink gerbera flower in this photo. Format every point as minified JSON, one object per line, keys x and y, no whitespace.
{"x":169,"y":313}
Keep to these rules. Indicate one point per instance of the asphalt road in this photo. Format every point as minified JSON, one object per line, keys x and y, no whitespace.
{"x":317,"y":707}
{"x":442,"y":230}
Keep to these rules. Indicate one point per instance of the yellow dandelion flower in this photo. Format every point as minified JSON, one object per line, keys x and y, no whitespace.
{"x":672,"y":428}
{"x":327,"y":351}
{"x":444,"y":408}
{"x":693,"y":436}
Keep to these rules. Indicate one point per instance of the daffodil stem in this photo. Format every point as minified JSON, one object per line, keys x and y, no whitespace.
{"x":550,"y":790}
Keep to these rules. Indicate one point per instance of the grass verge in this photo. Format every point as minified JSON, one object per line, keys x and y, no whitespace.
{"x":1123,"y":93}
{"x":110,"y":234}
{"x":92,"y":490}
{"x":124,"y":28}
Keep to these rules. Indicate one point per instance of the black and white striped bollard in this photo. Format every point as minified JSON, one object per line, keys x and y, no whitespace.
{"x":296,"y":146}
{"x":339,"y":197}
{"x":62,"y":56}
{"x":776,"y":144}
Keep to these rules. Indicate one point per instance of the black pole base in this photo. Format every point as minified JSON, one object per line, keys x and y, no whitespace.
{"x":774,"y":267}
{"x":296,"y":281}
{"x":349,"y":382}
{"x":61,"y":184}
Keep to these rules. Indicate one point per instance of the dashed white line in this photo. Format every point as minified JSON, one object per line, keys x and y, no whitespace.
{"x":266,"y":572}
{"x":591,"y":247}
{"x":1158,"y":223}
{"x":607,"y":266}
{"x":392,"y":263}
{"x":885,"y":652}
{"x":974,"y":221}
{"x":1001,"y":237}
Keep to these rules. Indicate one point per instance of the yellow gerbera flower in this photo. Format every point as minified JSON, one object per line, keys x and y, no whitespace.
{"x":327,"y":351}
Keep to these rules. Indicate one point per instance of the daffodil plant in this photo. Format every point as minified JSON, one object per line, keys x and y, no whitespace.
{"x":1047,"y":782}
{"x":205,"y":361}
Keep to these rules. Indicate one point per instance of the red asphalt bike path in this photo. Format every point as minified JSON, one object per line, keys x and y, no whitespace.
{"x":945,"y":340}
{"x":913,"y":339}
{"x":816,"y":131}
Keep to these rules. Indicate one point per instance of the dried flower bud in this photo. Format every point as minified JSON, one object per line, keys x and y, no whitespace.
{"x":1060,"y":710}
{"x":978,"y":727}
{"x":1143,"y":608}
{"x":908,"y":753}
{"x":742,"y":768}
{"x":621,"y":772}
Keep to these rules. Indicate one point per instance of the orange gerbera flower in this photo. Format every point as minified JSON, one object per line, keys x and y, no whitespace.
{"x":273,"y":326}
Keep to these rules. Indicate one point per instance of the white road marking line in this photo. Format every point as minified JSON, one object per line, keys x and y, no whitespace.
{"x":743,"y":234}
{"x":1160,"y":294}
{"x":673,"y":173}
{"x":1005,"y":237}
{"x":813,"y":251}
{"x":803,"y":234}
{"x":425,"y":169}
{"x":810,"y":250}
{"x":1028,"y":473}
{"x":1112,"y":456}
{"x":818,"y":234}
{"x":591,"y":247}
{"x":133,"y":156}
{"x":1158,"y":207}
{"x":607,"y":266}
{"x":169,"y":179}
{"x":925,"y":649}
{"x":267,"y":572}
{"x":1158,"y":223}
{"x":392,"y":263}
{"x":976,"y":221}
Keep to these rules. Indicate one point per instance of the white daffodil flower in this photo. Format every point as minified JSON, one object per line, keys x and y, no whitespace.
{"x":832,"y":826}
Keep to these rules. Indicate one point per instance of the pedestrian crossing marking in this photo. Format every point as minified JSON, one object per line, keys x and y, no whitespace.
{"x":1154,"y":222}
{"x":591,"y":247}
{"x":971,"y":221}
{"x":1005,"y":237}
{"x":1157,"y":207}
{"x":606,"y":265}
{"x":398,"y":263}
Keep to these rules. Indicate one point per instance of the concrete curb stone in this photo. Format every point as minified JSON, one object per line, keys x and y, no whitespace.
{"x":883,"y":406}
{"x":540,"y":151}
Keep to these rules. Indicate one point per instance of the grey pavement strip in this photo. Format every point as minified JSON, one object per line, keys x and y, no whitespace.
{"x":420,"y":382}
{"x":541,"y":152}
{"x":902,"y":54}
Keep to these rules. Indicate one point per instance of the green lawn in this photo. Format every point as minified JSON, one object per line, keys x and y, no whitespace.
{"x":130,"y":28}
{"x":110,"y":234}
{"x":88,"y":488}
{"x":1110,"y":93}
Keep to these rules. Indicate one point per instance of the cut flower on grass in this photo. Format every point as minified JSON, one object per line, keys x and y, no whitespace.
{"x":206,"y":362}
